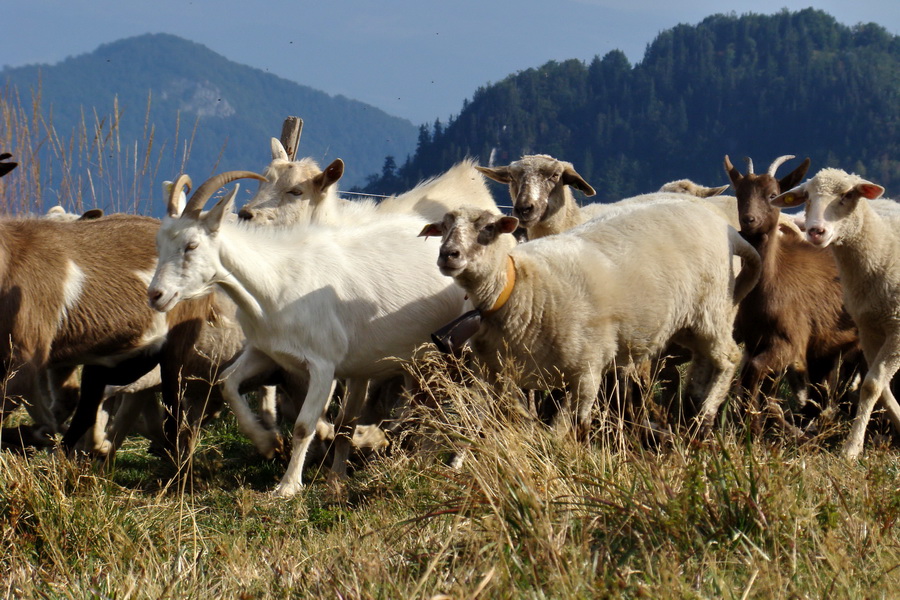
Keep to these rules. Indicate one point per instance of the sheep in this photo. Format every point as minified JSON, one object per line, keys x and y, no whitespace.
{"x":316,"y":301}
{"x":686,"y":186}
{"x":866,"y":247}
{"x":569,"y":306}
{"x":299,"y":191}
{"x":794,"y":320}
{"x":539,"y":187}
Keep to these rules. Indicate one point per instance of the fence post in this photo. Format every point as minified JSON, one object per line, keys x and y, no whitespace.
{"x":290,"y":135}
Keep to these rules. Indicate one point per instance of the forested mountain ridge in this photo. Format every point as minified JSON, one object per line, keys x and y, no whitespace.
{"x":192,"y":97}
{"x":756,"y":85}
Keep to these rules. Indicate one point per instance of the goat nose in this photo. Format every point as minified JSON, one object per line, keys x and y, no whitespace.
{"x":748,"y":219}
{"x":245,"y":215}
{"x":154,"y":295}
{"x":525,"y":210}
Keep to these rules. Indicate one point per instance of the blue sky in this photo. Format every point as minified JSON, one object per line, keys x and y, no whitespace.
{"x":416,"y":59}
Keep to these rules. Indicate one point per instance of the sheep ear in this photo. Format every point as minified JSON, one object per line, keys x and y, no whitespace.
{"x":791,"y":198}
{"x":793,"y":178}
{"x":869,"y":190}
{"x":216,"y":215}
{"x":500,"y":174}
{"x":278,"y":150}
{"x":733,"y":174}
{"x":571,"y":177}
{"x":329,"y":176}
{"x":432,"y":229}
{"x":507,"y":224}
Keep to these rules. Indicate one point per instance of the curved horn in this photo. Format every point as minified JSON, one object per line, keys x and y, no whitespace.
{"x":183,"y":180}
{"x":749,"y":165}
{"x":778,"y":162}
{"x":209,"y":187}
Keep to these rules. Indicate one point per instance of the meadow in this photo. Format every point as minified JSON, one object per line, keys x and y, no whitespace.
{"x":530,"y":514}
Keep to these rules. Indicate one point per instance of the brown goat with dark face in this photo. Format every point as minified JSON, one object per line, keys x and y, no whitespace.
{"x":794,"y":319}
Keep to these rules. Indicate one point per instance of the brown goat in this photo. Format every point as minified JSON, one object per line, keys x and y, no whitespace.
{"x":794,"y":320}
{"x":74,"y":293}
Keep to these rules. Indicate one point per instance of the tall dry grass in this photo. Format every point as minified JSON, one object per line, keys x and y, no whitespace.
{"x":91,"y":166}
{"x":530,"y":514}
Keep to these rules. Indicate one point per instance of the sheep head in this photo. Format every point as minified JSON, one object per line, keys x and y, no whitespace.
{"x":466,"y":235}
{"x":536,"y":186}
{"x":754,"y":193}
{"x":832,"y":200}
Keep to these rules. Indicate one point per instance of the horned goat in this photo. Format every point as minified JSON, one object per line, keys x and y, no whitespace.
{"x":794,"y":320}
{"x":569,"y":306}
{"x":866,"y":247}
{"x":315,"y":301}
{"x":299,"y":191}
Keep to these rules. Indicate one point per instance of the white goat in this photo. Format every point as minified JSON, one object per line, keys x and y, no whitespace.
{"x":866,"y":247}
{"x":315,"y":301}
{"x":299,"y":191}
{"x":568,"y":307}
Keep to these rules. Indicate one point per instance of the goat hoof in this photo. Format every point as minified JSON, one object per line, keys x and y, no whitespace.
{"x":287,"y":490}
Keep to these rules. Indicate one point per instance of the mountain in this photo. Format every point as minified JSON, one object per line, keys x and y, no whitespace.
{"x":183,"y":95}
{"x":756,"y":85}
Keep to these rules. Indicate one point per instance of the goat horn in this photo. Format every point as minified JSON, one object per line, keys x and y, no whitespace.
{"x":183,"y":180}
{"x":749,"y":165}
{"x":209,"y":187}
{"x":778,"y":162}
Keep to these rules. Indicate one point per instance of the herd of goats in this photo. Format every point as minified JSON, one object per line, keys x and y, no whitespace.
{"x":103,"y":315}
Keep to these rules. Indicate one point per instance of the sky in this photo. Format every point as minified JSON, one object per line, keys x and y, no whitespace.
{"x":416,"y":59}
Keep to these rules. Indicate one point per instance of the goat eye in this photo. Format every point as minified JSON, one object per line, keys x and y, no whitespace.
{"x":295,"y":192}
{"x":190,"y":246}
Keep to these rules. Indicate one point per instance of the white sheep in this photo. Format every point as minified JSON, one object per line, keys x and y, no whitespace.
{"x":299,"y":191}
{"x":315,"y":301}
{"x":866,"y":247}
{"x":568,"y":307}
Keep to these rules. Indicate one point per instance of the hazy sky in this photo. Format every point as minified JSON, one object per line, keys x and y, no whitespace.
{"x":416,"y":59}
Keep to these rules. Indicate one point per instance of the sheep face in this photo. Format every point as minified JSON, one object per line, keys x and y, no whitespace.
{"x":188,"y":250}
{"x":466,"y":234}
{"x":536,"y":184}
{"x":754,"y":194}
{"x":831,"y":199}
{"x":290,"y":190}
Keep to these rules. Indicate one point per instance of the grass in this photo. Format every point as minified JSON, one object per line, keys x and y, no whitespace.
{"x":530,"y":514}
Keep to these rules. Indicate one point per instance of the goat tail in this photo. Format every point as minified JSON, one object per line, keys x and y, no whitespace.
{"x":751,"y":264}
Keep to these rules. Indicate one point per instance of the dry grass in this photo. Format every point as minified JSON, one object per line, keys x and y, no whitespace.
{"x":530,"y":514}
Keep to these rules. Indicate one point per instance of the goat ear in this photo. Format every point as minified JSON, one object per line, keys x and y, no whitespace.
{"x":90,"y":215}
{"x":329,"y":176}
{"x":432,"y":229}
{"x":507,"y":224}
{"x":500,"y":174}
{"x":278,"y":150}
{"x":792,"y":198}
{"x":216,"y":215}
{"x":793,"y":178}
{"x":869,"y":190}
{"x":571,"y":177}
{"x":733,"y":174}
{"x":716,"y":191}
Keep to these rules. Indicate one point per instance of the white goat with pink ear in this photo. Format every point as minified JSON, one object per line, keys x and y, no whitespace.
{"x":313,"y":300}
{"x":866,"y":247}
